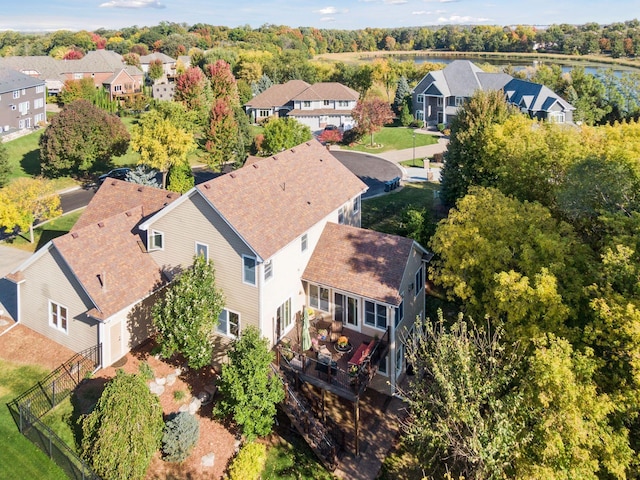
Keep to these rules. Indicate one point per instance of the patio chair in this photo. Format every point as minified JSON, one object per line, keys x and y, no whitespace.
{"x":335,"y":331}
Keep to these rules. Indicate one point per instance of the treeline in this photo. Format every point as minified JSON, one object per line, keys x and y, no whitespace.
{"x":621,"y":39}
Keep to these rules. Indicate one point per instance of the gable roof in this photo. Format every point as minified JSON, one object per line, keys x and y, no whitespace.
{"x":39,"y":66}
{"x":108,"y":261}
{"x":460,"y":78}
{"x":359,"y":261}
{"x":117,"y":196}
{"x":273,"y":201}
{"x":12,"y":80}
{"x":327,"y":91}
{"x":277,"y":95}
{"x":144,"y":59}
{"x":533,"y":96}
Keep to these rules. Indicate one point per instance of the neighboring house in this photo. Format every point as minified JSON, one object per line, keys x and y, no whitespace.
{"x":275,"y":101}
{"x":163,"y":91}
{"x":22,"y":100}
{"x":326,"y":103}
{"x":282,"y":232}
{"x":94,"y":285}
{"x":42,"y":67}
{"x":168,"y":65}
{"x":438,"y":96}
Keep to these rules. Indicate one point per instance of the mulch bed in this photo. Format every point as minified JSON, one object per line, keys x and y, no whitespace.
{"x":26,"y":346}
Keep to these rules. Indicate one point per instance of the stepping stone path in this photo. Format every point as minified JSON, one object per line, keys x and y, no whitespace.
{"x":171,"y":379}
{"x":208,"y":460}
{"x":156,"y":388}
{"x":194,"y":406}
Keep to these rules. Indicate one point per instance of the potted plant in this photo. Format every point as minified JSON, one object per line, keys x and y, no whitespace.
{"x":342,"y":345}
{"x":353,"y":370}
{"x":322,"y":333}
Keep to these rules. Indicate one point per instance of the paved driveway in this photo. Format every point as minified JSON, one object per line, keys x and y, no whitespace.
{"x":372,"y":170}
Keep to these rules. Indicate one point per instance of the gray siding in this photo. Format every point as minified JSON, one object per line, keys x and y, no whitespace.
{"x":194,"y":220}
{"x":48,"y":278}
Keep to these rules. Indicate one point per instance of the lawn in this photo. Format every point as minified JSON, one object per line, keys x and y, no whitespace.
{"x":393,"y":138}
{"x":46,"y":232}
{"x":385,"y":213}
{"x":19,"y":458}
{"x":419,"y":162}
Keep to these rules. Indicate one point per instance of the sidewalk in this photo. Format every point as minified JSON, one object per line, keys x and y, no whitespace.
{"x":415,"y":174}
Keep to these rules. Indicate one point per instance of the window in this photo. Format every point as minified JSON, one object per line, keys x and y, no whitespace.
{"x":341,"y":215}
{"x":304,"y":243}
{"x":306,"y":104}
{"x":248,"y":270}
{"x":439,"y":101}
{"x":556,"y":117}
{"x":24,"y":91}
{"x":343,"y":103}
{"x":375,"y":315}
{"x":264,"y":113}
{"x":202,"y":250}
{"x":228,"y":323}
{"x":419,"y":281}
{"x":283,"y":316}
{"x":20,"y":123}
{"x":421,"y":98}
{"x":40,"y":89}
{"x":58,"y":316}
{"x":345,"y":309}
{"x":319,"y":297}
{"x":400,"y":312}
{"x":39,"y":118}
{"x":356,"y":204}
{"x":156,"y":240}
{"x":268,"y":270}
{"x":38,"y":103}
{"x":77,"y":76}
{"x":117,"y":88}
{"x":383,"y":365}
{"x":24,"y":107}
{"x":16,"y":94}
{"x":459,"y":101}
{"x":326,"y":103}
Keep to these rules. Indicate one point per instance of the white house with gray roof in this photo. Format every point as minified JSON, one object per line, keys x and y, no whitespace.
{"x":438,"y":96}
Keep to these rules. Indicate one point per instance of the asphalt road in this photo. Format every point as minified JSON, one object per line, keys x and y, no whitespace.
{"x":373,"y":171}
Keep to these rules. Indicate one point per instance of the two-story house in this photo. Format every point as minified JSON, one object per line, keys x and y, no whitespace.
{"x":317,"y":105}
{"x":168,"y":65}
{"x":283,"y":234}
{"x":22,"y":100}
{"x":440,"y":94}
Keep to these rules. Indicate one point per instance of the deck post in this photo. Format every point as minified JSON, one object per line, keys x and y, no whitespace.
{"x":324,"y":414}
{"x":356,"y":416}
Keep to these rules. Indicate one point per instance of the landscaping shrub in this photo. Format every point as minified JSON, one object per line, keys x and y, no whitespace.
{"x":351,"y":136}
{"x":146,"y":371}
{"x":181,"y":433}
{"x":249,"y":463}
{"x":438,"y":157}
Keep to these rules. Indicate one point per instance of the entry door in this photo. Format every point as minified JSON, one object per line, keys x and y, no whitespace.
{"x":115,"y":335}
{"x":345,"y":309}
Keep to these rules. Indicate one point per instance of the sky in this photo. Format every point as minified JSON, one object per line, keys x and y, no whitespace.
{"x":50,"y":15}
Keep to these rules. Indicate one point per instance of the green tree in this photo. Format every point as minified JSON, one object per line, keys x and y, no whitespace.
{"x":160,"y":143}
{"x":469,"y":129}
{"x":26,"y":200}
{"x":156,"y":70}
{"x":187,"y":315}
{"x":261,"y":85}
{"x":222,"y":135}
{"x":513,"y":261}
{"x":402,"y":92}
{"x":143,"y":175}
{"x":5,"y":168}
{"x":370,"y":115}
{"x":80,"y":139}
{"x":123,"y":432}
{"x":283,"y":133}
{"x":180,"y":178}
{"x":249,"y":390}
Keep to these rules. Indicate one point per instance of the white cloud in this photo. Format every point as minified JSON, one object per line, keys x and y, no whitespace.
{"x":461,"y":19}
{"x":422,"y":12}
{"x":326,"y":11}
{"x":395,"y":2}
{"x":327,"y":19}
{"x":132,"y":4}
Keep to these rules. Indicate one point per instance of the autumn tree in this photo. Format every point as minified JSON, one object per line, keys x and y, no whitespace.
{"x":77,"y":89}
{"x":249,"y":389}
{"x":193,"y":89}
{"x":80,"y":139}
{"x":160,"y":143}
{"x":283,"y":133}
{"x":222,"y":135}
{"x":27,"y":200}
{"x":124,"y":430}
{"x":156,"y":70}
{"x":370,"y":115}
{"x":187,"y":315}
{"x":223,"y":83}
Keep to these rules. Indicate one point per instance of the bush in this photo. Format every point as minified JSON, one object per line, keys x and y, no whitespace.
{"x":351,"y":136}
{"x":181,"y":433}
{"x":249,"y":463}
{"x":146,"y":371}
{"x":438,"y":157}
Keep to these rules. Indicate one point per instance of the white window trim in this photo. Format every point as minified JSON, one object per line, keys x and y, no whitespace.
{"x":152,"y":235}
{"x":206,"y":246}
{"x":459,"y":101}
{"x":59,"y":326}
{"x":227,"y":333}
{"x":420,"y":98}
{"x":356,"y":204}
{"x":439,"y":101}
{"x":375,"y":323}
{"x":318,"y":306}
{"x":255,"y":274}
{"x":399,"y":308}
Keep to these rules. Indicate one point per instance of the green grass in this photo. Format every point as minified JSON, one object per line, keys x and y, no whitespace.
{"x":418,"y":162}
{"x":59,"y":419}
{"x":44,"y":233}
{"x":392,"y":138}
{"x":19,"y":458}
{"x":292,"y":459}
{"x":384,"y":213}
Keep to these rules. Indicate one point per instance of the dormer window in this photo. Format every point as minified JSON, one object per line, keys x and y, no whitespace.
{"x":156,"y":240}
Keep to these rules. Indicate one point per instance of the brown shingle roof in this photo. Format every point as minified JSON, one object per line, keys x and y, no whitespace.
{"x":328,"y":91}
{"x":278,"y":95}
{"x":116,"y":196}
{"x":275,"y":200}
{"x":108,"y":261}
{"x":363,"y":262}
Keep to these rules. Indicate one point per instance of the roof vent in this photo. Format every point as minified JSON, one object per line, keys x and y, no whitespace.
{"x":232,"y":175}
{"x":255,"y":165}
{"x":293,"y":150}
{"x":100,"y":224}
{"x":140,"y":189}
{"x":74,"y":235}
{"x":102,"y":278}
{"x":129,"y":213}
{"x":207,"y":186}
{"x":308,"y":144}
{"x":275,"y":157}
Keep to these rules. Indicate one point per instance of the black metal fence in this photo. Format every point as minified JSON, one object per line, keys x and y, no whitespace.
{"x":29,"y":407}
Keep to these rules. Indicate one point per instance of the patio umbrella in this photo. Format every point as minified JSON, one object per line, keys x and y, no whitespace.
{"x":306,"y":336}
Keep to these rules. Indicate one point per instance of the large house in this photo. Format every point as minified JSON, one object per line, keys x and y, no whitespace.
{"x":22,"y":100}
{"x":284,"y":236}
{"x":438,"y":96}
{"x":317,"y":105}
